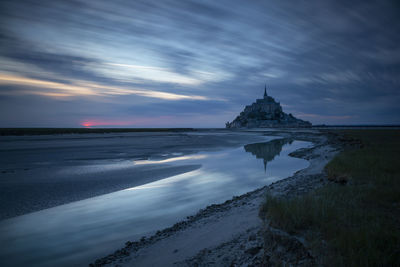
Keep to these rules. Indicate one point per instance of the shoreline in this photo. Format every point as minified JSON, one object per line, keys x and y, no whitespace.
{"x":237,"y":218}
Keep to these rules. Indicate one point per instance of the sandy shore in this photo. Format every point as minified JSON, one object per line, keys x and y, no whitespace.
{"x":228,"y":234}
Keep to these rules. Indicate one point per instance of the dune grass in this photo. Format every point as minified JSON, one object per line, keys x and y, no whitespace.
{"x":360,"y":221}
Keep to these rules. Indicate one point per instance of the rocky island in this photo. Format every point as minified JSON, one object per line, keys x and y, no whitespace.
{"x":263,"y":113}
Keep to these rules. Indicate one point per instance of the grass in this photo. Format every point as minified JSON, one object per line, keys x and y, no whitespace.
{"x":359,"y":221}
{"x":45,"y":131}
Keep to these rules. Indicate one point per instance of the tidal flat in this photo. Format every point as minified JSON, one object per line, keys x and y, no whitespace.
{"x":69,"y":199}
{"x":44,"y":171}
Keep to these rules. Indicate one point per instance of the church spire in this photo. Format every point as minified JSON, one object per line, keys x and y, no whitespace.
{"x":265,"y":91}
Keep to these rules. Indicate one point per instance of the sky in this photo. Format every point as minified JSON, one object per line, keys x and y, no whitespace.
{"x":145,"y":63}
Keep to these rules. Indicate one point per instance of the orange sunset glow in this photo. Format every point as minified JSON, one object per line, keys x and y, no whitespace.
{"x":94,"y":123}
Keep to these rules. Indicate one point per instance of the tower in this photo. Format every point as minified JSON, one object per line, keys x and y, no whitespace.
{"x":265,"y":91}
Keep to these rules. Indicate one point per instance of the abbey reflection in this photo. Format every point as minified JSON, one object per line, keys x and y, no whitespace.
{"x":268,"y":150}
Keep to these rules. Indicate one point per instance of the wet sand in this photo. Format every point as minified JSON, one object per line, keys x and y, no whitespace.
{"x":227,"y":234}
{"x":39,"y":172}
{"x":62,"y":169}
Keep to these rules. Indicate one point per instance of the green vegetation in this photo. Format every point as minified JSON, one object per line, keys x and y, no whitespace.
{"x":43,"y":131}
{"x":360,"y":221}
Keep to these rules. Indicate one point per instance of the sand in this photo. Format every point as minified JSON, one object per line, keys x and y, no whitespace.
{"x":40,"y":172}
{"x":229,"y":233}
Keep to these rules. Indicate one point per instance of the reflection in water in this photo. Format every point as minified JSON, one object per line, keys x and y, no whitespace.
{"x":79,"y":232}
{"x":267,"y":150}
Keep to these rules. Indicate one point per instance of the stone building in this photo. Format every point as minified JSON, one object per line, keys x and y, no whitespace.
{"x":265,"y":112}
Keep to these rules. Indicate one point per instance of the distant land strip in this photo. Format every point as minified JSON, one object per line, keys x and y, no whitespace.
{"x":357,"y":126}
{"x":46,"y":131}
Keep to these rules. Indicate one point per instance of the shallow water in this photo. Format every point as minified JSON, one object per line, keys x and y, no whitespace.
{"x":79,"y":232}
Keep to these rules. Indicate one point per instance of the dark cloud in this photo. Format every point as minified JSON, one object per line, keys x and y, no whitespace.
{"x":336,"y":61}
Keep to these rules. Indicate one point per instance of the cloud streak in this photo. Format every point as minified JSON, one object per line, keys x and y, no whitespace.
{"x":202,"y":59}
{"x":81,"y":88}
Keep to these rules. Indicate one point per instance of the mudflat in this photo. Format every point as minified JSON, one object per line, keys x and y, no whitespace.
{"x":229,"y":233}
{"x":43,"y":171}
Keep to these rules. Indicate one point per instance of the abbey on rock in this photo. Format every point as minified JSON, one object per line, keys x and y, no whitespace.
{"x":265,"y":112}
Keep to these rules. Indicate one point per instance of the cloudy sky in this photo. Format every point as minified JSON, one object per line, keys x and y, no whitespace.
{"x":182,"y":63}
